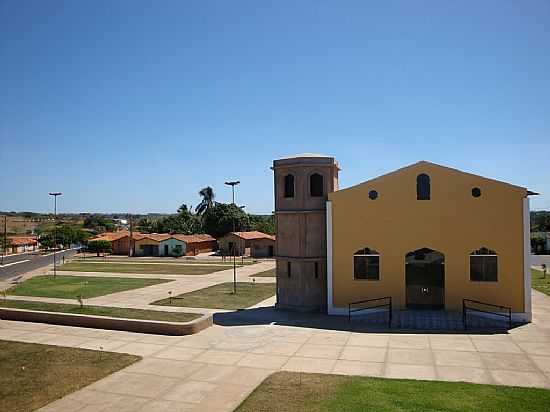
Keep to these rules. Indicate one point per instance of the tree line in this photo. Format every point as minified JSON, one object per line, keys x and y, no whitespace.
{"x":209,"y":216}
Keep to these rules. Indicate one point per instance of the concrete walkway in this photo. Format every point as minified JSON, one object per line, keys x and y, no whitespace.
{"x":217,"y":368}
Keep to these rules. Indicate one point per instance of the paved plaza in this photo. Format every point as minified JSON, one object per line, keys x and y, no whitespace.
{"x":217,"y":368}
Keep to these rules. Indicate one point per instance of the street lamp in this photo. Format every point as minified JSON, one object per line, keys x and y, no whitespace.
{"x":55,"y":194}
{"x":233,"y":184}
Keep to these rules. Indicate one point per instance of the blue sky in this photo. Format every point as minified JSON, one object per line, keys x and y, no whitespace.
{"x":134,"y":106}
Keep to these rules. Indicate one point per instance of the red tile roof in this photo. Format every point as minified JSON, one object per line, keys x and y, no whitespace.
{"x":22,"y":240}
{"x":157,"y":237}
{"x":195,"y":238}
{"x":110,"y":236}
{"x":253,"y":235}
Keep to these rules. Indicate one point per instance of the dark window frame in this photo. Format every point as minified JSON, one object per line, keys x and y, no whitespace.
{"x":288,"y":268}
{"x":316,"y":186}
{"x":423,"y":187}
{"x":289,"y":186}
{"x":366,"y":265}
{"x":483,"y":265}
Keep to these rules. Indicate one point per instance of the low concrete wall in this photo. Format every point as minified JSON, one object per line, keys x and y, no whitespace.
{"x":104,"y":322}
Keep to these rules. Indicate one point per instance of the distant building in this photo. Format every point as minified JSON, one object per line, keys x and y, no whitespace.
{"x":21,"y":244}
{"x":158,"y":244}
{"x":255,"y":244}
{"x":195,"y":244}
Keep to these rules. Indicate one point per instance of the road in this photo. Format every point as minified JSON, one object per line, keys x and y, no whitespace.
{"x":20,"y":264}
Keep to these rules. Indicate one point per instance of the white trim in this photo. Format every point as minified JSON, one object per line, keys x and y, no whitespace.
{"x":526,"y":260}
{"x":330,"y":308}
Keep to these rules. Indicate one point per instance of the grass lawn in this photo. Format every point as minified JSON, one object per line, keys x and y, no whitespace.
{"x":69,"y":287}
{"x":221,"y":296}
{"x":34,"y":375}
{"x":539,"y":283}
{"x":268,"y":273}
{"x":301,"y":392}
{"x":101,"y":311}
{"x":153,"y":268}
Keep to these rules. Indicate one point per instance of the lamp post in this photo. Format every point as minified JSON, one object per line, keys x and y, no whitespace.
{"x":55,"y":194}
{"x":233,"y":184}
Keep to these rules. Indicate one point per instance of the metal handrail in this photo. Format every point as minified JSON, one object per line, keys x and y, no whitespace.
{"x":389,"y":305}
{"x":465,"y":308}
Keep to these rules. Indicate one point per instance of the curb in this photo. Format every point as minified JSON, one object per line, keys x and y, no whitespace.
{"x":104,"y":322}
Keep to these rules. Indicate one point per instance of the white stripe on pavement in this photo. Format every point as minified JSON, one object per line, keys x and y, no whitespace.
{"x":14,"y":263}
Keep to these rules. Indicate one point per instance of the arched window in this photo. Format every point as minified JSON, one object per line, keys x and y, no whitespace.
{"x":484,"y":265}
{"x":289,"y":186}
{"x":316,"y":185}
{"x":423,"y":187}
{"x":366,"y":264}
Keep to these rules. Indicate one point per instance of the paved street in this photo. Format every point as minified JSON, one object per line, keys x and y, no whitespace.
{"x":21,"y":264}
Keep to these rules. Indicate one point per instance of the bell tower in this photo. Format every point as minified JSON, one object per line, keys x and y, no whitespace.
{"x":302,"y":183}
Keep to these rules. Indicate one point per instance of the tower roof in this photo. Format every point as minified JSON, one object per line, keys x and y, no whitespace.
{"x":306,"y":159}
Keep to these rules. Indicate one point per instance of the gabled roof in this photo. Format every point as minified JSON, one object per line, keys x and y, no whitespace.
{"x":253,"y":235}
{"x":422,"y":163}
{"x":22,"y":240}
{"x":194,"y":238}
{"x":111,"y":236}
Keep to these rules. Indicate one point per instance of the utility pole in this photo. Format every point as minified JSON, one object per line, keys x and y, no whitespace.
{"x":5,"y":245}
{"x":233,"y":184}
{"x":131,"y":238}
{"x":55,"y":194}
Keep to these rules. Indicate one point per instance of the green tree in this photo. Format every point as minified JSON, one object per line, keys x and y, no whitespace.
{"x":100,"y":246}
{"x":263,"y":223}
{"x":538,"y":245}
{"x":207,"y":202}
{"x":540,"y":221}
{"x":218,"y":219}
{"x":46,"y":240}
{"x":146,"y":225}
{"x":99,"y":224}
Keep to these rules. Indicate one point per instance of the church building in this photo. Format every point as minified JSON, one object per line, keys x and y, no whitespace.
{"x":426,"y":235}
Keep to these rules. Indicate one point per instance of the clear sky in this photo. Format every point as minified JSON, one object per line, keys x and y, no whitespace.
{"x":136,"y":105}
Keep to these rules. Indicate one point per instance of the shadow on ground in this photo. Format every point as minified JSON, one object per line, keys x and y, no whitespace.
{"x":403,"y":321}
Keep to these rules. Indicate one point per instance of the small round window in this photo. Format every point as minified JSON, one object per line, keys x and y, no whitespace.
{"x":373,"y":194}
{"x":476,"y":192}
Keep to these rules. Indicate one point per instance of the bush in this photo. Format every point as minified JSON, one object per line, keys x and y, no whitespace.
{"x":100,"y":246}
{"x":177,"y":251}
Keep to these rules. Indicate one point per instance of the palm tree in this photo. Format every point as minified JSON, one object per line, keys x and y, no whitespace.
{"x":207,"y":201}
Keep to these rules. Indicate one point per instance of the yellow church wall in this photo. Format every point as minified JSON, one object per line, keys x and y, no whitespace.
{"x":453,"y":222}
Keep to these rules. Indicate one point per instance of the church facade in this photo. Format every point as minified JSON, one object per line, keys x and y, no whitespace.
{"x":426,"y":235}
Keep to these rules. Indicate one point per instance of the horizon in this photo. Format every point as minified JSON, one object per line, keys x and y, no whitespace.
{"x":135,"y":107}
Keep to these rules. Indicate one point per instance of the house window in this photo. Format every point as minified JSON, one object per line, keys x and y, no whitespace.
{"x":476,"y":192}
{"x":422,"y":187}
{"x":373,"y":195}
{"x":288,"y":269}
{"x":316,"y":185}
{"x":366,"y":264}
{"x":483,"y":265}
{"x":289,"y":186}
{"x":316,"y":270}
